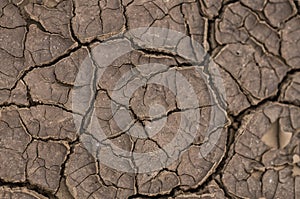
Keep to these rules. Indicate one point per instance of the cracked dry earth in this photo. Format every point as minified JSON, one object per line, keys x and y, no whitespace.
{"x":255,"y":46}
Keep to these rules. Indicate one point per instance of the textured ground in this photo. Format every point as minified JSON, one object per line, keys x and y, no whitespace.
{"x":255,"y":45}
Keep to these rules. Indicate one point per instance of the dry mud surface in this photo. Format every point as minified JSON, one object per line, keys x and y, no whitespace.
{"x":49,"y":145}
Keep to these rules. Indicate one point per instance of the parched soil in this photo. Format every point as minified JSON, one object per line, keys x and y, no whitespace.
{"x":75,"y":118}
